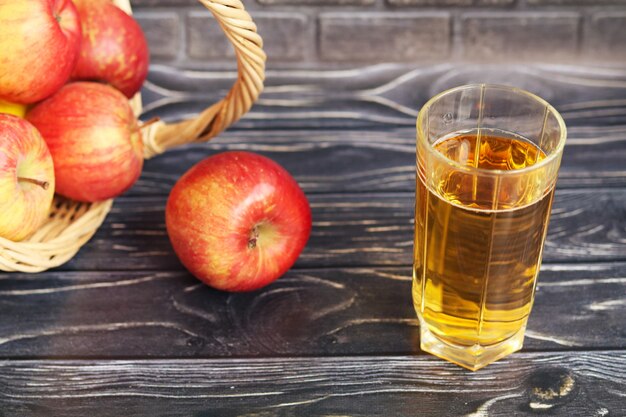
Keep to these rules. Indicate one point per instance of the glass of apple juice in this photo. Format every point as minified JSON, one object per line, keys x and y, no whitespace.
{"x":487,"y":163}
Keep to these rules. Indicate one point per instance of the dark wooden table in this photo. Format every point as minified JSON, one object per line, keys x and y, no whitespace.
{"x":124,"y":330}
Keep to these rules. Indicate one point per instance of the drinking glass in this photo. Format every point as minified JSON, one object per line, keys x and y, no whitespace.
{"x":487,"y":163}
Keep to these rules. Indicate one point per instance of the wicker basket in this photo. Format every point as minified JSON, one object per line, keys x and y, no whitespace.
{"x":72,"y":224}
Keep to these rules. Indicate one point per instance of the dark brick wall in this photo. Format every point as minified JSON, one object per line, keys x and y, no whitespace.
{"x":301,"y":33}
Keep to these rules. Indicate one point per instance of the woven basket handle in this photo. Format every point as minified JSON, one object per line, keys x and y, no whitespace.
{"x":241,"y":31}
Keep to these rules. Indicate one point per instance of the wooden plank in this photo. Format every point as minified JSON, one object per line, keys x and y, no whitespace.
{"x":381,"y":98}
{"x":352,"y":311}
{"x":327,"y":161}
{"x":383,"y":95}
{"x":576,"y":384}
{"x":360,"y":229}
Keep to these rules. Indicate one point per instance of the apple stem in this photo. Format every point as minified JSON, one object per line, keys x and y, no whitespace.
{"x":43,"y":184}
{"x":147,"y":123}
{"x":254,"y":236}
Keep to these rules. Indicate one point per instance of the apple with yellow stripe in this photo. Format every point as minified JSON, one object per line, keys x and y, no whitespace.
{"x":237,"y":221}
{"x":94,"y":140}
{"x":39,"y":44}
{"x":15,"y":109}
{"x":26,"y":178}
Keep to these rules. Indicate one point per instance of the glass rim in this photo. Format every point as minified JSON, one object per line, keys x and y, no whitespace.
{"x":501,"y":172}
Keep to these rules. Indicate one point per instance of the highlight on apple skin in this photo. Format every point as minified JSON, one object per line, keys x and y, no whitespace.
{"x":40,"y":41}
{"x":94,"y":139}
{"x":113,"y":49}
{"x":237,"y":221}
{"x":26,"y":178}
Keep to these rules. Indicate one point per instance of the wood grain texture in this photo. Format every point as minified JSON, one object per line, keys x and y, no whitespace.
{"x":359,"y":229}
{"x":375,"y":160}
{"x":559,"y":384}
{"x":338,"y":311}
{"x":383,"y":95}
{"x":354,"y":130}
{"x":337,"y":335}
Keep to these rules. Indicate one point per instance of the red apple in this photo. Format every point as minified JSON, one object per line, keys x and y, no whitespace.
{"x":237,"y":221}
{"x":94,"y":140}
{"x":26,"y":178}
{"x":39,"y":44}
{"x":114,"y":48}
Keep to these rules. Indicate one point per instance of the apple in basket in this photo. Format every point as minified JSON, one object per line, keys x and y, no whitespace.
{"x":39,"y":44}
{"x":237,"y":221}
{"x":94,"y":140}
{"x":26,"y":178}
{"x":114,"y":48}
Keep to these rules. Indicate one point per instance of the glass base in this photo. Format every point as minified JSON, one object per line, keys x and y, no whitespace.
{"x":470,"y":357}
